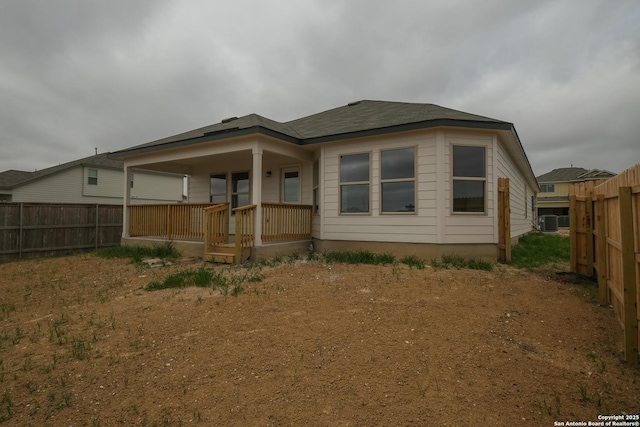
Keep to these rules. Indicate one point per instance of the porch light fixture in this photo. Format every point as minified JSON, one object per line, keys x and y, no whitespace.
{"x":268,"y":174}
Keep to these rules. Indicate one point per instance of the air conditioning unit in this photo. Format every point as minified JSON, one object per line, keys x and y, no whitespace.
{"x":549,"y":223}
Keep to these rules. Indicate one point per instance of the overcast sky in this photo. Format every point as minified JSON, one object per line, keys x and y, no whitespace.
{"x":79,"y":74}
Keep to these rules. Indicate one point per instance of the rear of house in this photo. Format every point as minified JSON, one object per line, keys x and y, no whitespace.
{"x":383,"y":176}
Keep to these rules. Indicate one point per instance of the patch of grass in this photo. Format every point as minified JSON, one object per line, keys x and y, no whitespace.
{"x":458,"y":262}
{"x":358,"y":257}
{"x":138,"y":253}
{"x":413,"y":261}
{"x":200,"y":278}
{"x":537,"y":249}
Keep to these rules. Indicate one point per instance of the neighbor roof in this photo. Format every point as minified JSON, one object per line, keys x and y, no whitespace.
{"x":574,"y":174}
{"x":14,"y":178}
{"x":358,"y":118}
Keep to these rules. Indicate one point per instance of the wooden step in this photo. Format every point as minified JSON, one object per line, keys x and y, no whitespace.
{"x":222,"y":257}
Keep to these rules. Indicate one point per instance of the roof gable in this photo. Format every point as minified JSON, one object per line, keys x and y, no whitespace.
{"x":14,"y":178}
{"x":573,"y":174}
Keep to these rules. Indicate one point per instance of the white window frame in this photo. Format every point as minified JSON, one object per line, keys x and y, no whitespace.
{"x":91,"y":177}
{"x":354,"y":183}
{"x":415,"y":184}
{"x":469,"y":178}
{"x":283,"y":172}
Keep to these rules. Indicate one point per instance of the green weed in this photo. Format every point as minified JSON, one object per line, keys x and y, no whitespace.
{"x":458,"y":262}
{"x":537,"y":249}
{"x":358,"y":257}
{"x":413,"y":261}
{"x":137,"y":253}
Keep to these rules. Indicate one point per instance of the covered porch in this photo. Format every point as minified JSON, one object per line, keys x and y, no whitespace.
{"x":207,"y":225}
{"x":242,"y":199}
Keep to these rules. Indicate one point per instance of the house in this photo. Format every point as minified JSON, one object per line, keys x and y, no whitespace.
{"x":95,"y":180}
{"x":553,"y":198}
{"x":383,"y":176}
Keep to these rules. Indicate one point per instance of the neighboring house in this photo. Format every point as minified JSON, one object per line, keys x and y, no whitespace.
{"x":96,"y":180}
{"x":402,"y":177}
{"x":553,"y":198}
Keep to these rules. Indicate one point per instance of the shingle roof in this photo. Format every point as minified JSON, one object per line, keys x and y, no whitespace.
{"x":13,"y":178}
{"x":342,"y":122}
{"x":573,"y":174}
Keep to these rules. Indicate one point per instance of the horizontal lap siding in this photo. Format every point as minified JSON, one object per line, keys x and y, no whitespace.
{"x":469,"y":228}
{"x":412,"y":228}
{"x":522,"y":219}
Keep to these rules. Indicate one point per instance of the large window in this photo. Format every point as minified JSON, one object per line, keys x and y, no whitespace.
{"x":93,"y":177}
{"x":469,"y":179}
{"x":397,"y":180}
{"x":239,"y":189}
{"x":354,"y":183}
{"x":218,"y":188}
{"x":547,"y":188}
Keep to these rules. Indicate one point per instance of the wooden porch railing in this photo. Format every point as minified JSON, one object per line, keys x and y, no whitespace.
{"x":216,"y":225}
{"x":245,"y":229}
{"x":282,"y":221}
{"x":170,"y":221}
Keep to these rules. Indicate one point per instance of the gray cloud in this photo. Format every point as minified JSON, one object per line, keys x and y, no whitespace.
{"x":75,"y":75}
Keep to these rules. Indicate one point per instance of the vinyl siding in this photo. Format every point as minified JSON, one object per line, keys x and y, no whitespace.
{"x":419,"y":227}
{"x":522,"y":220}
{"x":71,"y":186}
{"x":468,"y":228}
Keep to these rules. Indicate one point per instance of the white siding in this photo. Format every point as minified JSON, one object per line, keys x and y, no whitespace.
{"x":520,"y":193}
{"x":468,"y":228}
{"x":71,"y":186}
{"x":154,"y":188}
{"x":419,"y":227}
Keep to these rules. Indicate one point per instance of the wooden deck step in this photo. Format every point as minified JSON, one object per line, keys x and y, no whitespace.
{"x":222,"y":257}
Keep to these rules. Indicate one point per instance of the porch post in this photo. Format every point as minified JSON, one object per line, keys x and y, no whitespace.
{"x":125,"y":201}
{"x":256,"y":194}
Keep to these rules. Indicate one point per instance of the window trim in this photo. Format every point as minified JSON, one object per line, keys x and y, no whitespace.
{"x":353,"y":183}
{"x":89,"y":177}
{"x":484,"y":179}
{"x":547,"y":186}
{"x":226,"y":187}
{"x":236,"y":193}
{"x":283,"y":171}
{"x":414,"y":180}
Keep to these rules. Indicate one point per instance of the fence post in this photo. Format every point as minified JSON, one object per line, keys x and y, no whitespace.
{"x":20,"y":232}
{"x":97,"y":217}
{"x":573,"y":234}
{"x":601,"y":251}
{"x":588,"y":207}
{"x":628,"y":275}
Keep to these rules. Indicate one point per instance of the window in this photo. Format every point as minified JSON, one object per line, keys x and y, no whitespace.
{"x":316,"y":187}
{"x":547,"y":188}
{"x":397,"y":180}
{"x":239,"y":189}
{"x":218,"y":188}
{"x":291,"y":186}
{"x":131,"y":181}
{"x":469,"y":179}
{"x":93,"y":177}
{"x":354,"y":183}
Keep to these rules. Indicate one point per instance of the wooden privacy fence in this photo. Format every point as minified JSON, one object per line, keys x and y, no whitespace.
{"x":169,"y":221}
{"x":605,"y":242}
{"x":31,"y":230}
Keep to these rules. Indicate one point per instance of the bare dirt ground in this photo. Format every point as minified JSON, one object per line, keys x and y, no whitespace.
{"x":82,"y":344}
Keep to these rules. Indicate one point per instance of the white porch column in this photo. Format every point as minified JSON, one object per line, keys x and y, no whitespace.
{"x":125,"y":201}
{"x":256,"y":194}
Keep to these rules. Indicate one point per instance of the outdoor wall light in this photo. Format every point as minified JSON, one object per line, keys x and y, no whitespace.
{"x":268,"y":174}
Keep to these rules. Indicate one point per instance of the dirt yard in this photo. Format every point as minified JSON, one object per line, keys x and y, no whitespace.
{"x":82,"y":344}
